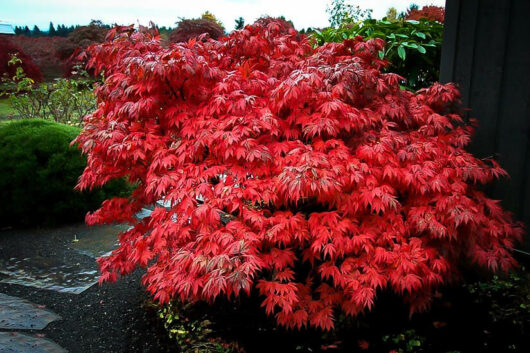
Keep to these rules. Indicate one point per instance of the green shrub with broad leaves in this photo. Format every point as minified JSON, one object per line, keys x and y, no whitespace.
{"x":64,"y":101}
{"x":38,"y":172}
{"x":413,"y":48}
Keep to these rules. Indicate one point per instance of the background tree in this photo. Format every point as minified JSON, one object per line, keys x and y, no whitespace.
{"x":61,"y":30}
{"x":391,"y":14}
{"x":36,"y":32}
{"x":51,"y":30}
{"x":240,"y":23}
{"x":432,"y":13}
{"x":207,"y":15}
{"x":164,"y":33}
{"x":81,"y":37}
{"x":343,"y":12}
{"x":193,"y":28}
{"x":44,"y":53}
{"x":64,"y":31}
{"x":283,"y":24}
{"x":7,"y":49}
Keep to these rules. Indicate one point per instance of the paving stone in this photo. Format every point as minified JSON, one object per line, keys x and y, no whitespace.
{"x":16,"y":342}
{"x":144,"y":212}
{"x":20,"y":314}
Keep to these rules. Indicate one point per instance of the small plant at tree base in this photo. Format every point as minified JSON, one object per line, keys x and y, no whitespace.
{"x":507,"y":299}
{"x":405,"y":342}
{"x":304,"y":174}
{"x":192,"y":335}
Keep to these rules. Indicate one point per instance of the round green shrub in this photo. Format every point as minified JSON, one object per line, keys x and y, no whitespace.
{"x":38,"y":172}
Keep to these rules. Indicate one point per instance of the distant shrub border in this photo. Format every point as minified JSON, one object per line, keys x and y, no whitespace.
{"x":38,"y":173}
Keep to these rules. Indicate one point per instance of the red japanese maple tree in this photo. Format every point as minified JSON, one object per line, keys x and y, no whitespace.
{"x":305,"y":174}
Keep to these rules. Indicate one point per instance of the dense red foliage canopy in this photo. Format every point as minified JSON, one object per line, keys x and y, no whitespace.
{"x":193,"y":28}
{"x":305,"y":174}
{"x":431,"y":12}
{"x":8,"y":48}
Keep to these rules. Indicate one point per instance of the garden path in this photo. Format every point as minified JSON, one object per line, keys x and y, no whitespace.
{"x":67,"y":266}
{"x":19,"y":314}
{"x":56,"y":267}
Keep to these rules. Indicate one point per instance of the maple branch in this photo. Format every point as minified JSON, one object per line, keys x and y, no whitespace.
{"x":171,"y":89}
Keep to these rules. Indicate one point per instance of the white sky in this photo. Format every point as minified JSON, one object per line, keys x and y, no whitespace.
{"x":303,"y":13}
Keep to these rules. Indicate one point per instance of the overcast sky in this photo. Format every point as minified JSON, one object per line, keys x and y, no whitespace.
{"x":303,"y":13}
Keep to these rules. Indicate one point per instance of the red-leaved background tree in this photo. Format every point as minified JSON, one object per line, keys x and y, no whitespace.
{"x":430,"y":12}
{"x":305,"y":175}
{"x":192,"y":28}
{"x":7,"y":50}
{"x":44,"y":53}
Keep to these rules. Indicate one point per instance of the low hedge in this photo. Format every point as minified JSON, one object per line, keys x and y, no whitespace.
{"x":38,"y":173}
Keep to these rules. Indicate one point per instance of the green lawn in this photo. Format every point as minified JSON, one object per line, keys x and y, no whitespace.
{"x":6,"y":110}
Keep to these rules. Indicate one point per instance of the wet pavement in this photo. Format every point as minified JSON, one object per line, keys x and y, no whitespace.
{"x":70,"y":268}
{"x":61,"y":260}
{"x":16,"y":342}
{"x":20,"y":314}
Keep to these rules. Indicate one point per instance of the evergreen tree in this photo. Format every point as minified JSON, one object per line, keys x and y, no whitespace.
{"x":240,"y":23}
{"x":36,"y":32}
{"x":26,"y":31}
{"x":51,"y":30}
